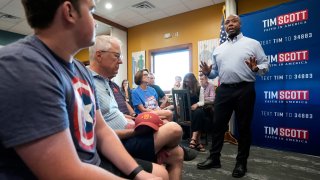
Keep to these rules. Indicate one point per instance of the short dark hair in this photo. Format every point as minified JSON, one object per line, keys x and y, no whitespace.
{"x":138,"y":76}
{"x":40,"y":13}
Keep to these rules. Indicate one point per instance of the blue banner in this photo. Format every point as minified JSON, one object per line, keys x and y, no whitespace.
{"x":288,"y":97}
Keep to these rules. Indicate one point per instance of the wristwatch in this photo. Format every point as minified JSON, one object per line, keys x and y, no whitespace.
{"x":134,"y":115}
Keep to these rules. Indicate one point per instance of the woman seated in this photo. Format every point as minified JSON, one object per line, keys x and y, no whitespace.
{"x":145,"y":98}
{"x":126,"y":91}
{"x":177,"y":83}
{"x":198,"y":121}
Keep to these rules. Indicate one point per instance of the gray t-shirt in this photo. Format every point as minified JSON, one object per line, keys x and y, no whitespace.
{"x":40,"y":95}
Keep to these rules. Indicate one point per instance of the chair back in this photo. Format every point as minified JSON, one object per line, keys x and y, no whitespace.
{"x":182,"y":107}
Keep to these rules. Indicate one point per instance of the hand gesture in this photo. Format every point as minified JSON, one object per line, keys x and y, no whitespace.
{"x":252,"y":64}
{"x":204,"y":68}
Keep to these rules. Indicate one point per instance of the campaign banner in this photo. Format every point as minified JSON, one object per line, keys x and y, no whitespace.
{"x":288,"y":97}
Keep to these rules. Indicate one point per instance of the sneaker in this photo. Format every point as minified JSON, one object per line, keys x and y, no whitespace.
{"x":188,"y":154}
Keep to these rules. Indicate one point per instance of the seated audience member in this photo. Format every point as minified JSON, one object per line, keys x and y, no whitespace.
{"x":198,"y":122}
{"x":126,"y":91}
{"x":177,"y":83}
{"x":162,"y":98}
{"x":216,"y":83}
{"x":52,"y":127}
{"x":206,"y":99}
{"x":188,"y":153}
{"x":145,"y":98}
{"x":160,"y":146}
{"x":207,"y":91}
{"x":123,"y":105}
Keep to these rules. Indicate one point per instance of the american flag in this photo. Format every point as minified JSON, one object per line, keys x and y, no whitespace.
{"x":223,"y":33}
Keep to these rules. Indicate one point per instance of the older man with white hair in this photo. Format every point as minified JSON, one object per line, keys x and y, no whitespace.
{"x":161,"y":146}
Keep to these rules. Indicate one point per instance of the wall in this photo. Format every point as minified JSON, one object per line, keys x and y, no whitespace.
{"x":247,"y":6}
{"x":83,"y":55}
{"x":192,"y":26}
{"x":123,"y":68}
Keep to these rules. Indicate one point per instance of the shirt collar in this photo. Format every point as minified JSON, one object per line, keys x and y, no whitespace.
{"x":238,"y":37}
{"x":96,"y":75}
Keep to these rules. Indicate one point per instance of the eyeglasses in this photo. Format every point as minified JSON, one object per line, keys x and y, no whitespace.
{"x":117,"y":55}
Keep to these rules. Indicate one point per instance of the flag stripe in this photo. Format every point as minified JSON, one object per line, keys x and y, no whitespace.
{"x":223,"y":33}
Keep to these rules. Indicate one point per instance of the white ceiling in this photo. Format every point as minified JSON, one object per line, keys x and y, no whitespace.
{"x":122,"y":13}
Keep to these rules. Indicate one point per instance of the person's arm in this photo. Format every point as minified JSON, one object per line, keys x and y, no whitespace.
{"x":125,"y":133}
{"x":162,"y":97}
{"x":211,"y":95}
{"x":128,"y":117}
{"x":214,"y":69}
{"x":201,"y":97}
{"x":210,"y":71}
{"x":111,"y":147}
{"x":137,"y":102}
{"x":258,"y":63}
{"x":143,"y":109}
{"x":55,"y":157}
{"x":131,"y":111}
{"x":164,"y":101}
{"x":262,"y":61}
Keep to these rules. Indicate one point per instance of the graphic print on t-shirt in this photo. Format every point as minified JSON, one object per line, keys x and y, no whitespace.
{"x":84,"y":111}
{"x":151,"y":103}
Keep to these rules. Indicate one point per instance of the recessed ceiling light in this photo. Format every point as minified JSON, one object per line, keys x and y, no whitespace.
{"x":108,"y":5}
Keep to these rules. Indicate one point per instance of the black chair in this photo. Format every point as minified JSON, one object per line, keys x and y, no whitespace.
{"x":182,"y":111}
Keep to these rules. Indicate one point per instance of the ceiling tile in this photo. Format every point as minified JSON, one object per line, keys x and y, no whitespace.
{"x":102,"y":28}
{"x":140,"y":20}
{"x":218,"y":1}
{"x":122,"y":13}
{"x":3,"y":3}
{"x":143,"y":11}
{"x":191,"y":4}
{"x":5,"y":25}
{"x":155,"y":15}
{"x":22,"y":28}
{"x":163,"y":3}
{"x":175,"y":9}
{"x":14,"y":8}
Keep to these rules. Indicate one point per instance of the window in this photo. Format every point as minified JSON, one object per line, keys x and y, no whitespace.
{"x":168,"y":64}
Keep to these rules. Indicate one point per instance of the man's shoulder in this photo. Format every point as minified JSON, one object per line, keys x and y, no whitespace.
{"x":251,"y":40}
{"x":155,"y":86}
{"x":150,"y":88}
{"x":29,"y":50}
{"x":136,"y":90}
{"x":115,"y":85}
{"x":23,"y":47}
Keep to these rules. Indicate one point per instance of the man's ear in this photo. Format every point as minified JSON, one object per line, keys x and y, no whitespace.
{"x":69,"y":12}
{"x":98,"y":56}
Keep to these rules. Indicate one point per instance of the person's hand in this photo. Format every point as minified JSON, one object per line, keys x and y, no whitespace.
{"x":194,"y":106}
{"x":162,"y":106}
{"x":252,"y":64}
{"x":145,"y":175}
{"x":130,"y":124}
{"x":129,"y":117}
{"x":204,"y":68}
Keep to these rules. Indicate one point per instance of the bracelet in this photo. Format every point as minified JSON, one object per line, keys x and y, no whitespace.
{"x":134,"y":173}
